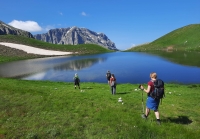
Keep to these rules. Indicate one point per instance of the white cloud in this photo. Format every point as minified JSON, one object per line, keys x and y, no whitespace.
{"x":30,"y":26}
{"x":83,"y":14}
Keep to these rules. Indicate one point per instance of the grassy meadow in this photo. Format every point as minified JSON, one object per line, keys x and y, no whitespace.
{"x":44,"y":109}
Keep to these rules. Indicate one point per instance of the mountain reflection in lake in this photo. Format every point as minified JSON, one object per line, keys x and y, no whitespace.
{"x":128,"y":67}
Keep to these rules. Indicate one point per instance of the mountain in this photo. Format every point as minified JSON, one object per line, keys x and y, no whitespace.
{"x":74,"y":36}
{"x":7,"y":29}
{"x":186,"y":38}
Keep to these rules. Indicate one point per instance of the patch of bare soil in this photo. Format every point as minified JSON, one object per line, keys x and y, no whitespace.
{"x":7,"y":51}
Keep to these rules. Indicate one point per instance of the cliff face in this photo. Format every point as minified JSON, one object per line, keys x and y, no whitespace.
{"x":74,"y":36}
{"x":7,"y":29}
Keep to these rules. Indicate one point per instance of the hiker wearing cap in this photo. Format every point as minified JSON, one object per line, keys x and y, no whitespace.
{"x":108,"y":75}
{"x":76,"y":81}
{"x":151,"y":103}
{"x":113,"y":84}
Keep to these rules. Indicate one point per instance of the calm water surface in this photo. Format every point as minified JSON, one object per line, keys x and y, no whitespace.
{"x":128,"y":67}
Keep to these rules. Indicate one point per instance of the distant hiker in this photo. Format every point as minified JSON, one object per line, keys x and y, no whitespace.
{"x":113,"y":84}
{"x":76,"y":81}
{"x":108,"y":75}
{"x":151,"y":102}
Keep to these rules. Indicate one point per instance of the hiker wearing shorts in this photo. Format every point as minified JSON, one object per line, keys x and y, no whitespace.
{"x":151,"y":103}
{"x":76,"y":81}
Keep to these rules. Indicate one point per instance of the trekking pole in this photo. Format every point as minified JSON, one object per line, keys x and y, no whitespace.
{"x":142,"y":99}
{"x":142,"y":103}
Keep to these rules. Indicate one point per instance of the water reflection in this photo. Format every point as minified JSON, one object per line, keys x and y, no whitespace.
{"x":128,"y":67}
{"x":21,"y":69}
{"x":183,"y":58}
{"x":78,"y":64}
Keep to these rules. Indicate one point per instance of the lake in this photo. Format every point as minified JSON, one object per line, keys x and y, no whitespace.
{"x":128,"y":67}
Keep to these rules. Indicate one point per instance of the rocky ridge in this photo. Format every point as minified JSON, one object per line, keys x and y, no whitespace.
{"x":74,"y":36}
{"x":7,"y":29}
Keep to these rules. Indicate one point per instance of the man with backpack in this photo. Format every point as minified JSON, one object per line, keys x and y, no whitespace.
{"x":108,"y":76}
{"x":155,"y":92}
{"x":76,"y":81}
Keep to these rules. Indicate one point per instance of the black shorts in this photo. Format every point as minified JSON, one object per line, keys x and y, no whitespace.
{"x":76,"y":83}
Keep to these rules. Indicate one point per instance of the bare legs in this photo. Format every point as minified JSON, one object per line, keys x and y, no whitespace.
{"x":156,"y":113}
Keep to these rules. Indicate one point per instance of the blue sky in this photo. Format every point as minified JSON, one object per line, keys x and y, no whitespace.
{"x":125,"y":22}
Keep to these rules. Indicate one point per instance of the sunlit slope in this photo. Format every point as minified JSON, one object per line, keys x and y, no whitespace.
{"x":81,"y":49}
{"x":186,"y":38}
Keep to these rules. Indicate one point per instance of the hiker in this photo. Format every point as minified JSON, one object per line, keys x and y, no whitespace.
{"x":151,"y":103}
{"x":113,"y":84}
{"x":108,"y":75}
{"x":76,"y":81}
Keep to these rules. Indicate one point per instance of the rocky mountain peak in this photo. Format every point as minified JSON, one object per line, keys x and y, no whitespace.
{"x":75,"y":35}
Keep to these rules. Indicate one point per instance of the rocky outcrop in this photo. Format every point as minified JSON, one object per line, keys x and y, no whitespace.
{"x":74,"y":36}
{"x":7,"y":29}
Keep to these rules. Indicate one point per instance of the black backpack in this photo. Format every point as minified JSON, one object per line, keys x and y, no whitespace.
{"x":108,"y":76}
{"x":159,"y":91}
{"x":76,"y":79}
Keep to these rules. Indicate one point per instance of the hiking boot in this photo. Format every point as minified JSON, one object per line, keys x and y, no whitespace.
{"x":144,"y":116}
{"x":158,"y":122}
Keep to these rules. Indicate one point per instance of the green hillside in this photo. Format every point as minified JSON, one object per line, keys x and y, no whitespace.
{"x":10,"y":54}
{"x":81,"y":49}
{"x":183,"y":39}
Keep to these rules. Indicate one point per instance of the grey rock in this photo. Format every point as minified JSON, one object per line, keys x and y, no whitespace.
{"x":7,"y":29}
{"x":74,"y":36}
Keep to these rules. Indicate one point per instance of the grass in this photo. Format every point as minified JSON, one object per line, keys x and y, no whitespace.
{"x":44,"y":109}
{"x":182,"y":39}
{"x":9,"y":54}
{"x":81,"y":49}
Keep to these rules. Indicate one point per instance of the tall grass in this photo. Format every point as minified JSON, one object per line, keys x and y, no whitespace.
{"x":43,"y":109}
